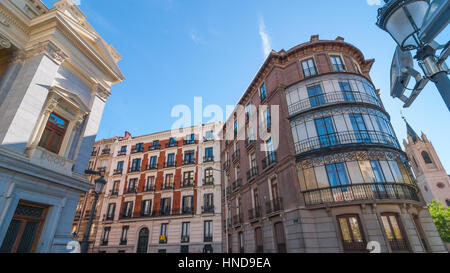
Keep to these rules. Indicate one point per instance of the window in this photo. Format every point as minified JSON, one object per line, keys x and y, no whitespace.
{"x":184,"y":249}
{"x":123,"y":238}
{"x":208,"y":203}
{"x":153,"y":162}
{"x":189,"y":157}
{"x":155,"y":144}
{"x":337,"y":174}
{"x":309,"y":68}
{"x":338,"y":66}
{"x":209,"y":176}
{"x":136,"y":165}
{"x":259,"y":240}
{"x":165,"y":206}
{"x":187,"y":205}
{"x":105,"y":236}
{"x":163,"y":234}
{"x":171,"y":160}
{"x":268,"y":119}
{"x":241,"y":242}
{"x":185,"y":232}
{"x":252,"y":158}
{"x":123,"y":149}
{"x":426,"y":157}
{"x":150,"y":184}
{"x":111,"y":211}
{"x":53,"y":134}
{"x":116,"y":187}
{"x":209,"y":135}
{"x":316,"y":96}
{"x":270,"y":151}
{"x":359,"y":127}
{"x":24,"y":229}
{"x":262,"y":92}
{"x":346,"y":91}
{"x":209,"y":154}
{"x":394,"y":232}
{"x":172,"y":142}
{"x":208,"y":232}
{"x":139,"y":147}
{"x":127,"y":209}
{"x":188,"y":179}
{"x":169,"y":181}
{"x":132,"y":185}
{"x":248,"y":111}
{"x":325,"y":131}
{"x":351,"y":233}
{"x":120,"y":165}
{"x":146,"y":209}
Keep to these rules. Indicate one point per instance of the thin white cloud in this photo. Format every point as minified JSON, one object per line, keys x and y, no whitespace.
{"x":193,"y":34}
{"x":373,"y":2}
{"x":265,"y":39}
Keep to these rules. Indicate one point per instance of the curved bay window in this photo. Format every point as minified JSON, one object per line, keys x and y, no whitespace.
{"x":342,"y":126}
{"x":355,"y":176}
{"x":53,"y":134}
{"x":330,"y":89}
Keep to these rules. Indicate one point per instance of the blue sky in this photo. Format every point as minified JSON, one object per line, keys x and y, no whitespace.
{"x":174,"y":50}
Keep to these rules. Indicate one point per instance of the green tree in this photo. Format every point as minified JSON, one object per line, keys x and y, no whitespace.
{"x":441,"y":218}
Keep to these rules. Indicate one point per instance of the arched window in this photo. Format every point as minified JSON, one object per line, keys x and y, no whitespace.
{"x":143,"y":241}
{"x":426,"y":158}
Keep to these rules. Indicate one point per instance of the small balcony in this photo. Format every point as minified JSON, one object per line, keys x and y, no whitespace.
{"x":269,"y":160}
{"x":208,"y":181}
{"x":236,"y":155}
{"x":118,"y":172}
{"x":151,"y":167}
{"x":125,"y":216}
{"x":106,"y":151}
{"x":185,"y":239}
{"x":237,"y":184}
{"x":169,"y":164}
{"x":187,"y":183}
{"x":187,"y":211}
{"x":252,"y":173}
{"x":121,"y":153}
{"x":361,"y":192}
{"x":167,"y":187}
{"x":134,"y":170}
{"x":154,"y":147}
{"x":132,"y":190}
{"x":208,"y":209}
{"x":254,"y":214}
{"x":249,"y":143}
{"x":190,"y":161}
{"x":207,"y":159}
{"x":102,"y":169}
{"x":149,"y":188}
{"x":238,"y":220}
{"x":171,"y":145}
{"x":114,"y":192}
{"x":137,"y":150}
{"x":164,"y":212}
{"x":274,"y":206}
{"x":151,"y":213}
{"x":189,"y":142}
{"x":366,"y":138}
{"x":226,"y":165}
{"x":207,"y":239}
{"x":94,"y":153}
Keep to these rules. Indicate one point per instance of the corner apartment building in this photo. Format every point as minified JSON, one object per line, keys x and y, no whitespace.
{"x":56,"y":73}
{"x":312,"y":164}
{"x":163,"y":193}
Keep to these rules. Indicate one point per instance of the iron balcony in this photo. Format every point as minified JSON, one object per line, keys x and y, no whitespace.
{"x":154,"y":147}
{"x":135,"y":151}
{"x":361,"y":192}
{"x":135,"y":170}
{"x":189,"y":161}
{"x":254,"y":214}
{"x":106,"y":151}
{"x":236,"y":155}
{"x":208,"y":159}
{"x":238,"y":220}
{"x":252,"y":173}
{"x":118,"y":172}
{"x":269,"y":160}
{"x":170,"y":145}
{"x":151,"y":167}
{"x":208,"y":209}
{"x":121,"y":153}
{"x":187,"y":183}
{"x":237,"y":184}
{"x":189,"y":142}
{"x":208,"y":181}
{"x":169,"y":164}
{"x":274,"y":206}
{"x":149,"y":188}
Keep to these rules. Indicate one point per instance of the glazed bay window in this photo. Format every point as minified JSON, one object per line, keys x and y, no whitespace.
{"x":54,"y":133}
{"x":309,"y":68}
{"x":359,"y":128}
{"x":208,"y":231}
{"x":394,"y":232}
{"x":111,"y":211}
{"x":351,"y":233}
{"x":325,"y":131}
{"x":338,"y":66}
{"x":185,"y":227}
{"x":187,"y":205}
{"x":146,"y":208}
{"x":124,"y":236}
{"x":346,"y":91}
{"x":316,"y":96}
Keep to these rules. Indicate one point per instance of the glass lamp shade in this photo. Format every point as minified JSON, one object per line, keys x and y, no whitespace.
{"x":402,"y":19}
{"x":99,"y":184}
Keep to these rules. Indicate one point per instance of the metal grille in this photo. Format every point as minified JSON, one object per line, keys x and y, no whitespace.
{"x":28,"y":211}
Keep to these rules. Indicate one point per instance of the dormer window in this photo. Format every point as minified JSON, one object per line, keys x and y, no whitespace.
{"x":54,"y":132}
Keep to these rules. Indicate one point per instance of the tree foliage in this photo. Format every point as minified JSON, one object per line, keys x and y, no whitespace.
{"x":441,"y":218}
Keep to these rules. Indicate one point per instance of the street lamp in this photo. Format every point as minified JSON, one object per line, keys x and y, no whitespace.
{"x":98,"y":189}
{"x":413,"y":24}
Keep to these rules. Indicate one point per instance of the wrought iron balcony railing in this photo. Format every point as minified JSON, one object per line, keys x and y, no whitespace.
{"x":189,"y":161}
{"x":167,"y":187}
{"x":249,"y":143}
{"x":189,"y":142}
{"x":208,"y":209}
{"x":187,"y":210}
{"x":238,"y":220}
{"x":274,"y":206}
{"x":173,"y":144}
{"x":121,"y":153}
{"x":149,"y":188}
{"x":346,"y":138}
{"x":208,"y":159}
{"x":150,"y":167}
{"x":254,"y":214}
{"x":118,"y":172}
{"x":187,"y":183}
{"x":131,"y":190}
{"x":361,"y":192}
{"x":207,"y":239}
{"x":236,"y":155}
{"x":332,"y":98}
{"x":134,"y":170}
{"x":269,"y":160}
{"x":226,"y":165}
{"x":185,"y":238}
{"x":106,"y":151}
{"x":169,"y":164}
{"x":208,"y":181}
{"x":137,"y":150}
{"x":252,"y":173}
{"x":154,"y":147}
{"x":237,"y":184}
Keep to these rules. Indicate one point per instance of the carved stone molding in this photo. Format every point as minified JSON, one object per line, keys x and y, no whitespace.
{"x":4,"y":42}
{"x":103,"y":93}
{"x":18,"y":56}
{"x":50,"y":49}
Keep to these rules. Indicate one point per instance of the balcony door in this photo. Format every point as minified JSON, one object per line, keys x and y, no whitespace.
{"x":280,"y":238}
{"x":143,"y":241}
{"x":326,"y":132}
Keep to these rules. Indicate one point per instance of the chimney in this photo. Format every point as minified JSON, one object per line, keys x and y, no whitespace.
{"x":340,"y":39}
{"x":314,"y":38}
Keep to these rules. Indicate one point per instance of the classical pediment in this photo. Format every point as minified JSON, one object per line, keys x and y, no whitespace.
{"x":71,"y":98}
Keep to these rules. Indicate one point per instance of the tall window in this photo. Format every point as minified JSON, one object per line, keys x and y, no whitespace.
{"x":116,"y":187}
{"x":136,"y":165}
{"x":262,"y":92}
{"x":165,"y":206}
{"x":359,"y":126}
{"x":394,"y":232}
{"x":143,"y":241}
{"x":338,"y":66}
{"x":209,"y":135}
{"x":187,"y":204}
{"x":209,"y":155}
{"x":120,"y":165}
{"x":346,"y":91}
{"x":54,"y":132}
{"x":156,"y":144}
{"x":351,"y":232}
{"x":150,"y":184}
{"x":274,"y":189}
{"x":188,"y":179}
{"x":270,"y":151}
{"x":280,"y":237}
{"x":209,"y":176}
{"x":132,"y":185}
{"x":248,"y":111}
{"x":163,"y":234}
{"x":172,"y":142}
{"x":105,"y":236}
{"x":189,"y":157}
{"x":123,"y":149}
{"x":316,"y":96}
{"x":309,"y":68}
{"x":139,"y":147}
{"x":325,"y":131}
{"x":171,"y":160}
{"x":241,"y":242}
{"x":153,"y":162}
{"x":111,"y":211}
{"x":235,"y":126}
{"x":208,"y":202}
{"x":426,"y":158}
{"x":208,"y":231}
{"x":146,"y":207}
{"x":127,"y":209}
{"x":124,"y":237}
{"x":259,"y":240}
{"x":185,"y":232}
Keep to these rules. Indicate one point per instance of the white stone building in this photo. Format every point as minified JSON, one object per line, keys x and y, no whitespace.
{"x":56,"y":73}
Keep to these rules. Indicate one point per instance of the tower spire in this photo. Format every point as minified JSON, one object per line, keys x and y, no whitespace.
{"x":410,"y":131}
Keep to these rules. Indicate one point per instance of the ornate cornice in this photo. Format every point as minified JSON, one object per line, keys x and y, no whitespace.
{"x":4,"y":42}
{"x":50,"y":49}
{"x":102,"y":93}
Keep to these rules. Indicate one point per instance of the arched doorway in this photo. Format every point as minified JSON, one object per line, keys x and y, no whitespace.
{"x":143,"y":241}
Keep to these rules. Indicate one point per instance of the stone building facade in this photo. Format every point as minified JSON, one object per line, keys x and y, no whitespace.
{"x":56,"y":73}
{"x":163,"y":193}
{"x":312,"y":164}
{"x":431,"y":176}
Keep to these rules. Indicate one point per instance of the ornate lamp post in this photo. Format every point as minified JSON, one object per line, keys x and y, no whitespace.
{"x":413,"y":24}
{"x":98,"y":188}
